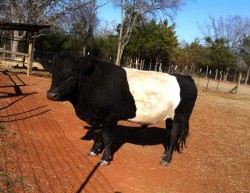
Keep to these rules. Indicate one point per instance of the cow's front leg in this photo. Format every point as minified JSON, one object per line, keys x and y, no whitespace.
{"x":107,"y":137}
{"x":98,"y":143}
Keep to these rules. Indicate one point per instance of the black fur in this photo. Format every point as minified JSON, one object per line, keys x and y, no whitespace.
{"x":99,"y":92}
{"x":178,"y":128}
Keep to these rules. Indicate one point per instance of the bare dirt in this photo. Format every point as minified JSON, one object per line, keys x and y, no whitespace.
{"x":44,"y":145}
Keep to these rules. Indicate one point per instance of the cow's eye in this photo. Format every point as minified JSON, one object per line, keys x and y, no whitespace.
{"x":57,"y":80}
{"x":68,"y":77}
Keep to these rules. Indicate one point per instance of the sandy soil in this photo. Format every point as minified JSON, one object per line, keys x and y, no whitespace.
{"x":216,"y":158}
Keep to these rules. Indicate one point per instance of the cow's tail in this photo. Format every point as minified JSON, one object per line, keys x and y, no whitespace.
{"x":181,"y":143}
{"x":182,"y":140}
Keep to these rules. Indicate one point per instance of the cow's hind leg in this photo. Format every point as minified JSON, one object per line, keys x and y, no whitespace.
{"x":98,"y":143}
{"x":174,"y":134}
{"x":107,"y":137}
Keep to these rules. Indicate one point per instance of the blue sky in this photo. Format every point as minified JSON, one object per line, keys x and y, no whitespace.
{"x":196,"y":11}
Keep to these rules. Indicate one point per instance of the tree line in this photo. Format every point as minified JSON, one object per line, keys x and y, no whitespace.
{"x":139,"y":39}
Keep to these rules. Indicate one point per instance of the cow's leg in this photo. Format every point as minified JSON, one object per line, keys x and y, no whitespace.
{"x":98,"y":143}
{"x":107,"y":137}
{"x":168,"y":129}
{"x":175,"y":133}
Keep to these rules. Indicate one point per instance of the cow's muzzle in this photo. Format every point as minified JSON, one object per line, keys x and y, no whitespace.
{"x":54,"y":96}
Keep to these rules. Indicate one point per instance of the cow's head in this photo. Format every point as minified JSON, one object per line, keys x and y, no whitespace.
{"x":64,"y":77}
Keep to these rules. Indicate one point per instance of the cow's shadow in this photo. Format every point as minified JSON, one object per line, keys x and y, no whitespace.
{"x":134,"y":135}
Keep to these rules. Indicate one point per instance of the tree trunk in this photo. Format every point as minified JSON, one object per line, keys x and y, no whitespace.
{"x":119,"y":49}
{"x":216,"y":74}
{"x":15,"y":40}
{"x":248,"y":71}
{"x":84,"y":50}
{"x":119,"y":52}
{"x":157,"y":63}
{"x":207,"y":72}
{"x":191,"y":70}
{"x":226,"y":74}
{"x":125,"y":34}
{"x":235,"y":74}
{"x":14,"y":43}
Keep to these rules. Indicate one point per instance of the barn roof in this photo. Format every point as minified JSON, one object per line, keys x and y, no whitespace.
{"x":22,"y":26}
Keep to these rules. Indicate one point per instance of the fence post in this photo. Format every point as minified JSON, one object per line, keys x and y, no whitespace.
{"x":208,"y":80}
{"x":4,"y":52}
{"x":236,"y":88}
{"x":199,"y":77}
{"x":219,"y":79}
{"x":31,"y":53}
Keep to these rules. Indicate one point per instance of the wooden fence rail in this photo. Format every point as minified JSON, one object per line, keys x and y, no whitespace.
{"x":12,"y":52}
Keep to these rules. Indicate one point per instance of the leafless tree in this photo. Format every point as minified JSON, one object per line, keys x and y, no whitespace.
{"x":134,"y":10}
{"x":37,"y":12}
{"x":232,"y":28}
{"x":82,"y":21}
{"x":245,"y":55}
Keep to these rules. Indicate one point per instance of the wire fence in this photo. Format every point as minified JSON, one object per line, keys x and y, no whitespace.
{"x":213,"y":77}
{"x":206,"y":78}
{"x":205,"y":72}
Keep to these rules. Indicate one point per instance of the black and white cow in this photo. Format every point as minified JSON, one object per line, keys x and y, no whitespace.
{"x":104,"y":93}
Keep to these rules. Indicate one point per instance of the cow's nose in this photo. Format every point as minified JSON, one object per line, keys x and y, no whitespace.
{"x":52,"y":96}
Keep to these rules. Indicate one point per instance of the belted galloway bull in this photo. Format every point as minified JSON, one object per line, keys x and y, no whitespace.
{"x":103,"y":93}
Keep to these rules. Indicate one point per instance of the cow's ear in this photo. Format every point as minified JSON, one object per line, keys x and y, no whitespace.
{"x":86,"y":64}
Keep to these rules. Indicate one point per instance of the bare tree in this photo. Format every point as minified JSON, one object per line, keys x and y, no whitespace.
{"x":232,"y":28}
{"x":245,"y":54}
{"x":13,"y":11}
{"x":82,"y":21}
{"x":36,"y":12}
{"x":132,"y":11}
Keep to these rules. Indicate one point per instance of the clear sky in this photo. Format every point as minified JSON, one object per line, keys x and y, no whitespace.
{"x":196,"y":11}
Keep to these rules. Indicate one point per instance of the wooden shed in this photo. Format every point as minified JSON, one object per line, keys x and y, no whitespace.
{"x":29,"y":28}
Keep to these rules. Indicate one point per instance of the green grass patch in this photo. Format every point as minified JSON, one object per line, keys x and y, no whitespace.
{"x":9,"y":181}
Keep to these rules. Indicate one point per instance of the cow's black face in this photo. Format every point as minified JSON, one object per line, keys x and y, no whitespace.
{"x":64,"y":78}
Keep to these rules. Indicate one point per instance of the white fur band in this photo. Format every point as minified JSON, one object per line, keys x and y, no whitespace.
{"x":156,"y":95}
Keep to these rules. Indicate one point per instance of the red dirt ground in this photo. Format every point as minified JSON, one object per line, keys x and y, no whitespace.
{"x":42,"y":149}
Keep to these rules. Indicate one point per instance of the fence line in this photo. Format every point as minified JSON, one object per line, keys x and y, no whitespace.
{"x":205,"y":72}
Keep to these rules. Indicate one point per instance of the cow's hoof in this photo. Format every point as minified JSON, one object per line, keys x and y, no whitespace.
{"x":91,"y":154}
{"x":164,"y":163}
{"x":103,"y":162}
